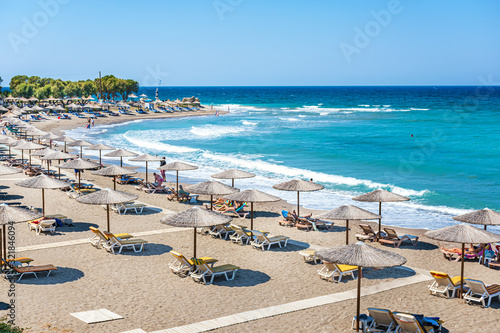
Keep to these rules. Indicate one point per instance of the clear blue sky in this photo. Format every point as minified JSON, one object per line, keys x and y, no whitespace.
{"x":253,"y":42}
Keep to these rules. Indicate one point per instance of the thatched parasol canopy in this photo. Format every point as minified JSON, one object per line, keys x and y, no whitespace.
{"x":114,"y":171}
{"x":146,"y":158}
{"x":298,"y":185}
{"x":57,"y":155}
{"x":211,"y":187}
{"x":42,"y":182}
{"x":196,"y":218}
{"x":5,"y":170}
{"x":43,"y":152}
{"x":121,"y":153}
{"x":178,"y":166}
{"x":9,"y":214}
{"x":463,"y":233}
{"x":78,"y":163}
{"x":380,"y":196}
{"x":484,"y":217}
{"x":50,"y":136}
{"x":233,"y":174}
{"x":81,"y":144}
{"x":100,"y":147}
{"x":348,"y":212}
{"x":106,"y":197}
{"x":361,"y":255}
{"x":252,"y":196}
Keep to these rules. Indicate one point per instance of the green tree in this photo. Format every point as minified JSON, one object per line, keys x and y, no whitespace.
{"x":1,"y":84}
{"x":88,"y":88}
{"x":17,"y":80}
{"x":72,"y":89}
{"x":24,"y":90}
{"x":126,"y":87}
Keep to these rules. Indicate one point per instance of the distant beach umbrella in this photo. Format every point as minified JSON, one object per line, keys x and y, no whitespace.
{"x":132,"y":95}
{"x":3,"y":109}
{"x":121,"y":153}
{"x":65,"y":139}
{"x":29,"y":146}
{"x":59,"y":108}
{"x":380,"y":196}
{"x":51,"y":137}
{"x":252,"y":196}
{"x":38,"y":108}
{"x":57,"y":155}
{"x":233,"y":174}
{"x":146,"y":158}
{"x":347,"y":213}
{"x":106,"y":197}
{"x":8,"y":141}
{"x":42,"y":182}
{"x":463,"y":233}
{"x":178,"y":166}
{"x":79,"y":164}
{"x":9,"y":214}
{"x":143,"y":95}
{"x":81,"y":144}
{"x":211,"y":188}
{"x":360,"y":255}
{"x":484,"y":217}
{"x":100,"y":147}
{"x":196,"y":218}
{"x":298,"y":185}
{"x":114,"y":171}
{"x":43,"y":152}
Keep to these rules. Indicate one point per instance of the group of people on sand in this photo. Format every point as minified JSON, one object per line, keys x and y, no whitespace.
{"x":472,"y":250}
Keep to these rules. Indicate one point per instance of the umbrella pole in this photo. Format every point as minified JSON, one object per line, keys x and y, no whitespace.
{"x":65,"y":150}
{"x":462,"y":272}
{"x":1,"y":246}
{"x":43,"y":202}
{"x":58,"y":168}
{"x":81,"y":151}
{"x":22,"y":156}
{"x":107,"y":213}
{"x":5,"y":242}
{"x":121,"y":162}
{"x":485,"y":227}
{"x":232,"y":183}
{"x":251,"y":221}
{"x":379,"y":220}
{"x":9,"y":153}
{"x":298,"y":206}
{"x":100,"y":161}
{"x":114,"y":183}
{"x":347,"y":232}
{"x":194,"y":252}
{"x":79,"y":179}
{"x":29,"y":151}
{"x":177,"y":185}
{"x":359,"y":299}
{"x":146,"y":171}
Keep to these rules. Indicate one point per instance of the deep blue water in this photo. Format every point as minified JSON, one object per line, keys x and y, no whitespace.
{"x":437,"y":145}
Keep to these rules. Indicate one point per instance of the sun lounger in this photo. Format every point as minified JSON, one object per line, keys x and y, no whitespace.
{"x":136,"y":244}
{"x":394,"y":239}
{"x":18,"y":262}
{"x":204,"y":272}
{"x":330,"y":270}
{"x":183,"y":266}
{"x":309,"y":255}
{"x":240,"y":235}
{"x":42,"y":225}
{"x":443,"y":284}
{"x":479,"y":292}
{"x":13,"y":270}
{"x":409,"y":323}
{"x":368,"y":233}
{"x":383,"y":321}
{"x":99,"y":239}
{"x":288,"y":219}
{"x":122,"y":208}
{"x":221,"y":230}
{"x":128,"y":180}
{"x":261,"y":240}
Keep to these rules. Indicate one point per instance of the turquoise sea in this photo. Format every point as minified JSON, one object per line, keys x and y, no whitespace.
{"x":437,"y":145}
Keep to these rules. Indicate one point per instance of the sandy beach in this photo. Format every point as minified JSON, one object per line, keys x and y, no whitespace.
{"x":141,"y":288}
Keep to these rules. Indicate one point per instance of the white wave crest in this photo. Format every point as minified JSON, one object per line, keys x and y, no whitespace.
{"x":215,"y":131}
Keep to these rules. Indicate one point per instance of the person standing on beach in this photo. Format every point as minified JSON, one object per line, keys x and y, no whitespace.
{"x":162,"y":163}
{"x":92,"y":122}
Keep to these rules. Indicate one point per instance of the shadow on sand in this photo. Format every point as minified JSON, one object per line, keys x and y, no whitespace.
{"x":62,"y":275}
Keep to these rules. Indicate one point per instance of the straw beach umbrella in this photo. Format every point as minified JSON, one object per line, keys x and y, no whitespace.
{"x":121,"y":153}
{"x":252,"y":196}
{"x":146,"y":158}
{"x":5,"y":170}
{"x":348,"y":212}
{"x":211,"y":188}
{"x":113,"y":171}
{"x":56,"y":155}
{"x":51,"y":137}
{"x":196,"y":218}
{"x":81,"y":144}
{"x":380,"y":196}
{"x":29,"y":146}
{"x":42,"y":182}
{"x":106,"y":197}
{"x":463,"y":233}
{"x":65,"y":139}
{"x":178,"y":166}
{"x":79,"y":164}
{"x":100,"y":147}
{"x":484,"y":217}
{"x":361,"y":255}
{"x":9,"y":214}
{"x":233,"y":174}
{"x":8,"y":141}
{"x":298,"y":185}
